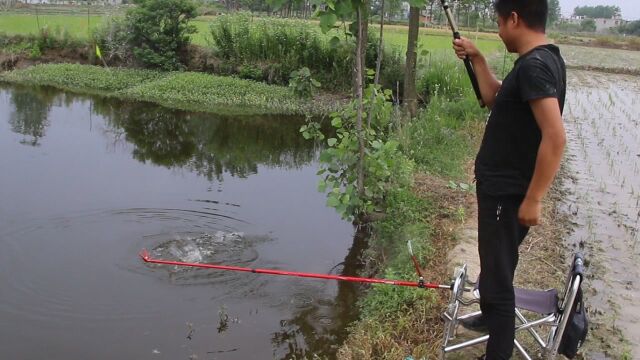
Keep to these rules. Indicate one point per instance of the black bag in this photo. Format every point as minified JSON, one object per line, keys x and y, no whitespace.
{"x":576,"y":330}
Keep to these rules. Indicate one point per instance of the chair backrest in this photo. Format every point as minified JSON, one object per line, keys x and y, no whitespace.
{"x":576,"y":330}
{"x":576,"y":272}
{"x":572,"y":323}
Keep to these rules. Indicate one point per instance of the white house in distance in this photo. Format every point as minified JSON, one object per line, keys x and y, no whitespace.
{"x":602,"y":25}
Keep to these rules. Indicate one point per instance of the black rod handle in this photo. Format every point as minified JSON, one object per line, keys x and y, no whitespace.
{"x":471,"y":73}
{"x":467,"y":61}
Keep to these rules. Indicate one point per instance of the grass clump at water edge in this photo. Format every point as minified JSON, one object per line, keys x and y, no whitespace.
{"x":81,"y":78}
{"x":181,"y":90}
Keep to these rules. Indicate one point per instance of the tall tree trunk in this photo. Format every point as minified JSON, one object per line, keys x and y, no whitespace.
{"x":361,"y":32}
{"x":376,"y":79}
{"x":410,"y":96}
{"x":431,"y":17}
{"x":359,"y":90}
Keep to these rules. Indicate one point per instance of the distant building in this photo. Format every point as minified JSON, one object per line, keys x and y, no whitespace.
{"x":602,"y":25}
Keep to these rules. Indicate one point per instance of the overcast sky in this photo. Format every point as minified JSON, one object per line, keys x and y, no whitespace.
{"x":630,"y":8}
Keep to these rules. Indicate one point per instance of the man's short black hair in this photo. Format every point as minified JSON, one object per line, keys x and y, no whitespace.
{"x":532,"y":12}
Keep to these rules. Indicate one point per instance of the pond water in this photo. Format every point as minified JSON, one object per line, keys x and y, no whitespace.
{"x":603,"y":130}
{"x":86,"y":183}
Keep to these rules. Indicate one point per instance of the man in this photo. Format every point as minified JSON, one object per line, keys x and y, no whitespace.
{"x":520,"y":154}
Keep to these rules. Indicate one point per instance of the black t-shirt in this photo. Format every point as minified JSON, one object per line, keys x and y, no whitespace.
{"x":507,"y":157}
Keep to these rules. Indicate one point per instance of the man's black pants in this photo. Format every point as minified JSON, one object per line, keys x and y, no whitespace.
{"x":499,"y":236}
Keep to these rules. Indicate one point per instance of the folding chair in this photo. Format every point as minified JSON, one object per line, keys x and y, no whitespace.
{"x":553,"y":313}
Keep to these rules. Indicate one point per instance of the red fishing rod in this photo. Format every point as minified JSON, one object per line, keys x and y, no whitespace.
{"x":144,"y":254}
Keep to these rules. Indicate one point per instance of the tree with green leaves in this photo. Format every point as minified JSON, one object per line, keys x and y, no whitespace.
{"x":361,"y":162}
{"x":598,"y":12}
{"x":588,"y":25}
{"x":631,"y":28}
{"x":554,"y":12}
{"x":392,"y":8}
{"x":330,"y":13}
{"x":160,"y":32}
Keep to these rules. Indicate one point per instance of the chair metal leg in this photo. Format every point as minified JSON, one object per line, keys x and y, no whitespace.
{"x":531,"y":331}
{"x":557,"y":321}
{"x":521,"y":349}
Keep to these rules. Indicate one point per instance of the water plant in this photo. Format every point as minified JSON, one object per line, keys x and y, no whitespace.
{"x":182,"y":90}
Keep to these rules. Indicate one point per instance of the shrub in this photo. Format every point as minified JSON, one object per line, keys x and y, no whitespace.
{"x":284,"y":46}
{"x":33,"y":45}
{"x":392,"y":71}
{"x":160,"y":32}
{"x":302,"y":83}
{"x":631,"y":28}
{"x":444,"y":78}
{"x":250,"y":72}
{"x":113,"y":38}
{"x":440,"y":138}
{"x":588,"y":25}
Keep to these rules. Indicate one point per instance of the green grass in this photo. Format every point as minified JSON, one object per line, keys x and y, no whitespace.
{"x":395,"y":36}
{"x":181,"y":90}
{"x":25,"y":24}
{"x":439,"y":140}
{"x":202,"y":37}
{"x":438,"y":42}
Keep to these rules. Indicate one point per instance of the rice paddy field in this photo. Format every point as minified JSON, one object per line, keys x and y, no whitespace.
{"x":582,"y":56}
{"x":603,"y":202}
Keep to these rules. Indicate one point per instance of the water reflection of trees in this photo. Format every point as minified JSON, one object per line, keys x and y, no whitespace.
{"x":302,"y":336}
{"x":30,"y":113}
{"x":207,"y":144}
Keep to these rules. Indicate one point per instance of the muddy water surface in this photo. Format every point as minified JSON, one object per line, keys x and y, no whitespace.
{"x":86,"y":183}
{"x":603,"y":125}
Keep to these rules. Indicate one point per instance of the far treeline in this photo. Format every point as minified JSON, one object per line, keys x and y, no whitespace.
{"x":469,"y":13}
{"x":598,"y":12}
{"x":476,"y":14}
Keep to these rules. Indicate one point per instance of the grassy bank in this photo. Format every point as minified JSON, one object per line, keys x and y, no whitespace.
{"x":180,"y":90}
{"x":397,"y":322}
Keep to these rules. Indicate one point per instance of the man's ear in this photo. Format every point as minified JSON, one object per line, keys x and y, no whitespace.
{"x":514,"y":19}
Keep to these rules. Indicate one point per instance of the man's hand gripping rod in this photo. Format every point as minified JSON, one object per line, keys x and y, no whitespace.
{"x":467,"y":61}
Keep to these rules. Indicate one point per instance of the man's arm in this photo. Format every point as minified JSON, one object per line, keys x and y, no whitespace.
{"x":489,"y":84}
{"x":547,"y":114}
